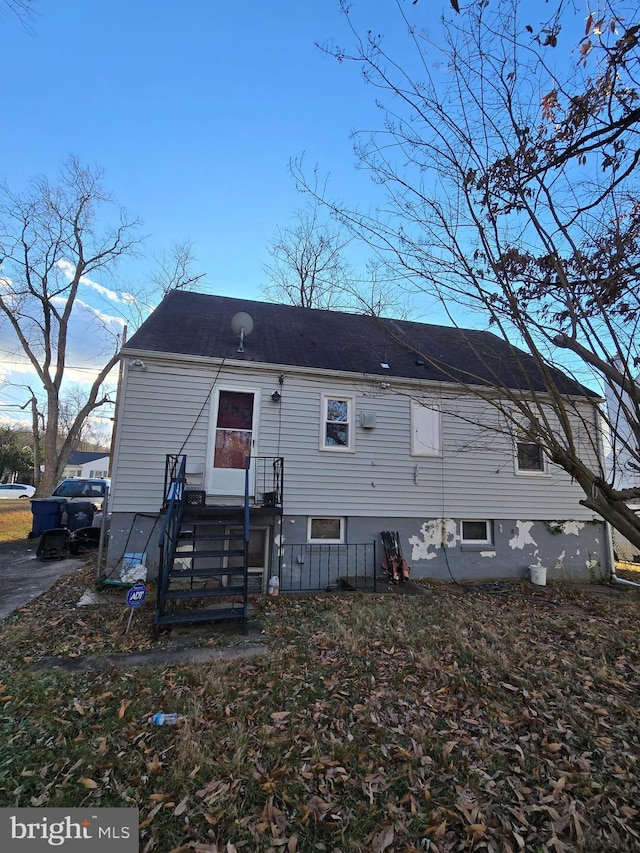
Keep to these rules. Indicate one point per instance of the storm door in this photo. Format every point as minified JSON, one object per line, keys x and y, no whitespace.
{"x":233,"y":441}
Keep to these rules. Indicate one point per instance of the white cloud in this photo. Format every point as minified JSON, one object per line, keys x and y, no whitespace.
{"x":92,"y":340}
{"x":13,"y":420}
{"x":15,"y":366}
{"x":93,"y":336}
{"x":68,"y":270}
{"x":79,"y":306}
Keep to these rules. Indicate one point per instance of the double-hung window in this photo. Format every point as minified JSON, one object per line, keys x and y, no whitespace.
{"x":530,"y":458}
{"x":337,"y":422}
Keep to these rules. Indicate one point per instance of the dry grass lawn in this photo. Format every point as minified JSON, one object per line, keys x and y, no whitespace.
{"x":15,"y":520}
{"x":455,"y":721}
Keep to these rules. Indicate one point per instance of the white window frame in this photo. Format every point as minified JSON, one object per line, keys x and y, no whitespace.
{"x":488,"y":528}
{"x":418,"y":448}
{"x":525,"y":472}
{"x":339,"y":541}
{"x":351,"y":407}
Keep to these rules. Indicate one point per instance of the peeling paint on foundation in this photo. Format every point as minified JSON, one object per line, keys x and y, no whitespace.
{"x":560,"y":561}
{"x":522,"y":535}
{"x":575,"y":552}
{"x":435,"y":534}
{"x":594,"y":568}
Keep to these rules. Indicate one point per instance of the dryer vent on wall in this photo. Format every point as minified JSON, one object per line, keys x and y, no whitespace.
{"x":368,"y":420}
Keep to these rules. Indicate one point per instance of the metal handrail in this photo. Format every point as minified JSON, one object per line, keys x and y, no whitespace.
{"x":174,"y":501}
{"x":269,"y":473}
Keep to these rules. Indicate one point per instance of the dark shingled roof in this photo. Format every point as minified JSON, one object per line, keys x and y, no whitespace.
{"x":200,"y":325}
{"x":81,"y":457}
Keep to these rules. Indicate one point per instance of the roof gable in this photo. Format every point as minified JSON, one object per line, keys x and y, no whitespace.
{"x":200,"y":325}
{"x":82,"y":457}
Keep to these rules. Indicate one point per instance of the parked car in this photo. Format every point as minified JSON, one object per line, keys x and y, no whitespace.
{"x":75,"y":489}
{"x":16,"y":490}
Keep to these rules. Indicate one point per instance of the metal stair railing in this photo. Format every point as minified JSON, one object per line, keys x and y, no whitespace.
{"x":174,"y":490}
{"x":246,"y":530}
{"x":184,"y":523}
{"x":269,"y":477}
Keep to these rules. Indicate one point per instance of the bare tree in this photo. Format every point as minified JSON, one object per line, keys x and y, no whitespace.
{"x":508,"y":159}
{"x":51,"y":242}
{"x":309,"y":269}
{"x":22,"y":9}
{"x":307,"y":266}
{"x":88,"y":437}
{"x":174,"y":269}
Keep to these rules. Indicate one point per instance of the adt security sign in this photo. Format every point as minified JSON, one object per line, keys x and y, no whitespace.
{"x":136,"y":595}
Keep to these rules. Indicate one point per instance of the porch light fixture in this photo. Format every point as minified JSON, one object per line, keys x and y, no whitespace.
{"x":276,"y":396}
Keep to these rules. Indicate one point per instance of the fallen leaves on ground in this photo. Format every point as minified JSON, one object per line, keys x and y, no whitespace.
{"x":454,"y":721}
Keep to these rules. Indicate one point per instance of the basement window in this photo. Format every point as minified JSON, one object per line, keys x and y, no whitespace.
{"x":476,"y":532}
{"x":327,"y":530}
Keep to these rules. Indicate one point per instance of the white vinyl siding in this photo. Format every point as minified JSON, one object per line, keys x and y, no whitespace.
{"x":473,"y":477}
{"x":425,"y":430}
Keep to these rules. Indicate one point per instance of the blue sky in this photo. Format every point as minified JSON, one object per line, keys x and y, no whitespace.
{"x":193,"y":111}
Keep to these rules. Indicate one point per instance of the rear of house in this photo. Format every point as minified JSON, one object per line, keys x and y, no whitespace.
{"x":349,"y":434}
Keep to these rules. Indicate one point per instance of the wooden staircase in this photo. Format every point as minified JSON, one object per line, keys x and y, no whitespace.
{"x":203,"y":573}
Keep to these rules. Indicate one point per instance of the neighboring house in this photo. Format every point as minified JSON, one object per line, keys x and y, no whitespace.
{"x":372,"y":438}
{"x":82,"y":463}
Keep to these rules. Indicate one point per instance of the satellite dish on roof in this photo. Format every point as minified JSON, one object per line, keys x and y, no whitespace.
{"x":242,"y":324}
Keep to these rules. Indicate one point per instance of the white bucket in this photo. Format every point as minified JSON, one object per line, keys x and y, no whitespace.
{"x":538,"y":575}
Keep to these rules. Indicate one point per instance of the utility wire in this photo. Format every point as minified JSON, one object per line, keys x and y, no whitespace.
{"x":206,"y":400}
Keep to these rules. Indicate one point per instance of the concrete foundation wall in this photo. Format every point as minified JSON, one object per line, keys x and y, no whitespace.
{"x":133,"y":533}
{"x":570,"y":550}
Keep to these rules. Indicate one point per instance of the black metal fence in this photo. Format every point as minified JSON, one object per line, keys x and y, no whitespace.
{"x":309,"y":568}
